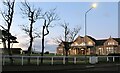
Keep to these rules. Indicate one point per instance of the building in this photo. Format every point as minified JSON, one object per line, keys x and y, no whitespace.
{"x":91,"y":46}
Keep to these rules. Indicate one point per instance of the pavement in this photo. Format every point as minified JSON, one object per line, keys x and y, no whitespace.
{"x":75,"y":68}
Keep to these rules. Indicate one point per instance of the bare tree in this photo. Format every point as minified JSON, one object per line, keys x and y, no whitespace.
{"x":66,"y":30}
{"x":66,"y":39}
{"x":58,"y":40}
{"x":33,"y":14}
{"x":8,"y":17}
{"x":69,"y":36}
{"x":73,"y":33}
{"x":49,"y":17}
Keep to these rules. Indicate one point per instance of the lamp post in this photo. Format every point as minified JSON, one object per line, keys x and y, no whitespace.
{"x":93,"y":6}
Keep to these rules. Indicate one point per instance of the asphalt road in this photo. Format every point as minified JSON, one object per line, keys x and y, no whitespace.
{"x":97,"y":68}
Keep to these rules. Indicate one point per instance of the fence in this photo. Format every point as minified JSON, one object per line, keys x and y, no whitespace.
{"x":58,"y":59}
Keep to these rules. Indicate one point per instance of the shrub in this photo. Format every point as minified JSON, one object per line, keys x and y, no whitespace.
{"x":47,"y":52}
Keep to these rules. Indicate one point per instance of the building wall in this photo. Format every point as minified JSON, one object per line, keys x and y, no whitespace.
{"x":110,"y":41}
{"x":73,"y":51}
{"x":78,"y":47}
{"x":60,"y":50}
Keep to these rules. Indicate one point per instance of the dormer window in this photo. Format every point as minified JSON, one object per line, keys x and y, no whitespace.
{"x":60,"y":49}
{"x":76,"y":43}
{"x":82,"y":44}
{"x":90,"y":43}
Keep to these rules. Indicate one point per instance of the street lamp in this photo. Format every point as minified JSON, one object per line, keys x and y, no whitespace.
{"x":93,"y":6}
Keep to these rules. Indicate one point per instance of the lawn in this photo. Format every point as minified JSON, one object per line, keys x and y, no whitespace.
{"x":58,"y":59}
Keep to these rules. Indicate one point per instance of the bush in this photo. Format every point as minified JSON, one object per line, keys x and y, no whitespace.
{"x":47,"y":52}
{"x":94,"y":55}
{"x":117,"y":59}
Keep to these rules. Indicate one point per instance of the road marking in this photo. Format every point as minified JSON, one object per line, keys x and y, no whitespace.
{"x":90,"y":66}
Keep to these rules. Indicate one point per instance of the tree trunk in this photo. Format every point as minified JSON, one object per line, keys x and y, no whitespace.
{"x":9,"y":49}
{"x":66,"y":53}
{"x":66,"y":50}
{"x":66,"y":60}
{"x":42,"y":45}
{"x":29,"y":50}
{"x":31,"y":38}
{"x":4,"y":45}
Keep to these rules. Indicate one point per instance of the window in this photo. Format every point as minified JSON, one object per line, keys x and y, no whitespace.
{"x":100,"y":48}
{"x":75,"y":43}
{"x":110,"y":43}
{"x":90,"y":43}
{"x":74,"y":51}
{"x":82,"y":44}
{"x":110,"y":50}
{"x":82,"y":49}
{"x":100,"y":51}
{"x":60,"y":49}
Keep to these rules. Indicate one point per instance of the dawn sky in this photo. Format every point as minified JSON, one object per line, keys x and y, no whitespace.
{"x":102,"y":22}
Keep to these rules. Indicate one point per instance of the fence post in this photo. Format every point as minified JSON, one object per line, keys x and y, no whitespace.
{"x":74,"y":60}
{"x":22,"y":60}
{"x":64,"y":60}
{"x":37,"y":60}
{"x":113,"y":59}
{"x":52,"y":61}
{"x":107,"y":59}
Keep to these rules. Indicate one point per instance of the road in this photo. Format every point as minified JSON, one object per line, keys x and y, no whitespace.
{"x":97,"y":68}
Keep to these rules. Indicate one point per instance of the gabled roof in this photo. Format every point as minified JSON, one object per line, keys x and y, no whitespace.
{"x":97,"y":42}
{"x":78,"y":39}
{"x":100,"y":42}
{"x":91,"y":38}
{"x":117,"y":39}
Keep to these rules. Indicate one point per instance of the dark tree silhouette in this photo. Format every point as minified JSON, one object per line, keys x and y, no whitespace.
{"x":66,"y":33}
{"x":5,"y":38}
{"x":8,"y":17}
{"x":33,"y":14}
{"x":73,"y":33}
{"x":69,"y":36}
{"x":48,"y":18}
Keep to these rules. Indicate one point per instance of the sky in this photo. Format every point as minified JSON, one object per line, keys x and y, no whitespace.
{"x":102,"y":21}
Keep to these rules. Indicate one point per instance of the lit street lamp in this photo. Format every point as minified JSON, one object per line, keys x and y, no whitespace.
{"x":93,"y":6}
